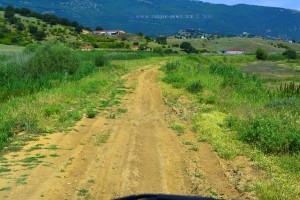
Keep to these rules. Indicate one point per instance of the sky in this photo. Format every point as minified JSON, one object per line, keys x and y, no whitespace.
{"x":291,"y":4}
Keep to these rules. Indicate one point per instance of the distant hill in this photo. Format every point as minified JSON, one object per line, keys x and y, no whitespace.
{"x":167,"y":17}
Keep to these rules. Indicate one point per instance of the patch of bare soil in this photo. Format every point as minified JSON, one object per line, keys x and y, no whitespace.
{"x":141,"y":155}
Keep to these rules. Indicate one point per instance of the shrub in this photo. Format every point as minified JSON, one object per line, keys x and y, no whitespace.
{"x":289,"y":89}
{"x":171,"y":66}
{"x":179,"y":128}
{"x":261,"y":54}
{"x":290,"y":54}
{"x":168,"y":51}
{"x":174,"y":78}
{"x":158,"y":50}
{"x":90,"y":113}
{"x":100,"y":60}
{"x":276,"y":57}
{"x":211,"y":100}
{"x":187,"y":47}
{"x":275,"y":134}
{"x":51,"y":58}
{"x":195,"y":87}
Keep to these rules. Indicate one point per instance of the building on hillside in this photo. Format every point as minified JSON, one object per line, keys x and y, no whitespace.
{"x":135,"y":48}
{"x":85,"y":32}
{"x":108,"y":32}
{"x":234,"y":52}
{"x":86,"y":48}
{"x":171,"y":37}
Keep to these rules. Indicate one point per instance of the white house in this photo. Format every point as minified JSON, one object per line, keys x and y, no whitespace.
{"x":234,"y":52}
{"x":108,"y":32}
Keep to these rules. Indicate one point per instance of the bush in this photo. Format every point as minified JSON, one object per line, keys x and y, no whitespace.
{"x":261,"y":54}
{"x":51,"y":58}
{"x":168,"y":51}
{"x":275,"y":134}
{"x":276,"y":57}
{"x":188,"y":48}
{"x":289,"y":89}
{"x":100,"y":60}
{"x":171,"y":66}
{"x":195,"y":87}
{"x":175,"y":79}
{"x":158,"y":50}
{"x":290,"y":54}
{"x":90,"y":113}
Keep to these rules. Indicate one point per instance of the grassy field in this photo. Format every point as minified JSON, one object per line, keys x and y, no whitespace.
{"x":10,"y":49}
{"x":241,"y":116}
{"x":249,"y":45}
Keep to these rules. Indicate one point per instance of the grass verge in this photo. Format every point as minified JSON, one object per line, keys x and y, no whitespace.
{"x":235,"y":113}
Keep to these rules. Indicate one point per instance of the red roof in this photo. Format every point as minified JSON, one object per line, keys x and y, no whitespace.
{"x":234,"y":50}
{"x":107,"y":31}
{"x":86,"y":47}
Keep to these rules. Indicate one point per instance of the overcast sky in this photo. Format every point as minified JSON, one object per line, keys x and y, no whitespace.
{"x":292,"y":4}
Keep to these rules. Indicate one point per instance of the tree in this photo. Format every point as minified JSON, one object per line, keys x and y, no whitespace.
{"x":261,"y":54}
{"x":158,"y":50}
{"x":187,"y":47}
{"x":161,"y":40}
{"x":9,"y":12}
{"x":147,"y":38}
{"x":290,"y":54}
{"x":98,"y":28}
{"x":140,"y":34}
{"x":32,"y":29}
{"x":79,"y":28}
{"x":40,"y":35}
{"x":23,"y":11}
{"x":13,"y":20}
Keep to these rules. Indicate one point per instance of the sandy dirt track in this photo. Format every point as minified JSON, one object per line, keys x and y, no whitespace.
{"x":142,"y":155}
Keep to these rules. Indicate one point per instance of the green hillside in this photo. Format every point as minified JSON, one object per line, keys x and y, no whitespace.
{"x":249,"y":45}
{"x":165,"y":17}
{"x":22,"y":30}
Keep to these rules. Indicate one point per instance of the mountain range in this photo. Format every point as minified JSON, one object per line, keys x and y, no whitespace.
{"x":155,"y":17}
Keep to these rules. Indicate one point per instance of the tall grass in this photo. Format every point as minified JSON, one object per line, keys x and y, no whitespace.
{"x":239,"y":116}
{"x":274,"y":131}
{"x":39,"y":68}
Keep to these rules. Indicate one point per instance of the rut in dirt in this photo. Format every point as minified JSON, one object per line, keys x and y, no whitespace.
{"x":142,"y":155}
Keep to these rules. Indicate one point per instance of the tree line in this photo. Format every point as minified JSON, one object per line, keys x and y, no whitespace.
{"x":51,"y":19}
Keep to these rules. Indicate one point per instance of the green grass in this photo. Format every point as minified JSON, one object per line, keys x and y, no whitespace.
{"x":36,"y":147}
{"x":178,"y":128}
{"x":54,"y":155}
{"x":83,"y":192}
{"x":52,"y":147}
{"x":240,"y":116}
{"x":4,"y":170}
{"x":22,"y":179}
{"x":5,"y":189}
{"x":10,"y":49}
{"x":249,"y":45}
{"x":102,"y":138}
{"x":91,"y":113}
{"x":33,"y":159}
{"x":58,"y":108}
{"x":122,"y":110}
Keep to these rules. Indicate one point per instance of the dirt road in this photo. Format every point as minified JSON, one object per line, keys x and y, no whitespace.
{"x":142,"y":155}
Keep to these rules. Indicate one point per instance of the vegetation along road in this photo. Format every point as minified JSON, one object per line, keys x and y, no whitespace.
{"x":122,"y":123}
{"x":130,"y":152}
